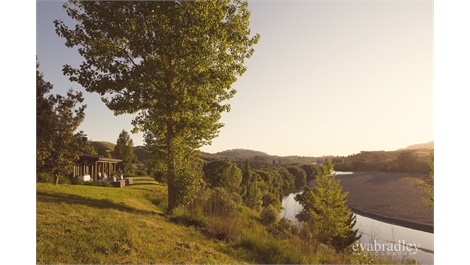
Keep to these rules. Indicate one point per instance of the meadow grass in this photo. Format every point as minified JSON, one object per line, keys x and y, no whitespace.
{"x":89,"y":224}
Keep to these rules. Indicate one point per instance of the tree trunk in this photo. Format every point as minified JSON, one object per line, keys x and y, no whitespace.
{"x":171,"y":174}
{"x":56,"y":179}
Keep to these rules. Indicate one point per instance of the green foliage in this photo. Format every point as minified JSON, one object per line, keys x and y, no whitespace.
{"x":124,"y":150}
{"x":253,"y":196}
{"x":189,"y":216}
{"x":394,"y":161}
{"x":44,"y":177}
{"x":266,"y":250}
{"x":140,"y":173}
{"x":271,"y":199}
{"x":269,"y":215}
{"x":57,"y":120}
{"x":171,"y":62}
{"x":344,"y":241}
{"x":188,"y":182}
{"x":309,"y":171}
{"x":246,"y":178}
{"x":288,"y":181}
{"x":89,"y":148}
{"x":325,"y":214}
{"x":223,"y":174}
{"x":214,"y":210}
{"x":300,"y":176}
{"x":284,"y":229}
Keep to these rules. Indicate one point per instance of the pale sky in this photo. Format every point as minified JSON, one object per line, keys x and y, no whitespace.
{"x":326,"y":78}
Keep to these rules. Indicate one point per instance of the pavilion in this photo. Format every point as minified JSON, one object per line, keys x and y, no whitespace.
{"x":97,"y":167}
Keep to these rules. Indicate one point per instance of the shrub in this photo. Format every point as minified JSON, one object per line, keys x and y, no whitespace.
{"x":140,"y":173}
{"x":225,"y":228}
{"x":271,"y":199}
{"x":188,"y":216}
{"x":76,"y":181}
{"x":268,"y":250}
{"x":216,"y":212}
{"x":284,"y":229}
{"x":269,"y":215}
{"x":65,"y":180}
{"x":188,"y":182}
{"x":44,"y":177}
{"x":219,"y":204}
{"x":159,"y":176}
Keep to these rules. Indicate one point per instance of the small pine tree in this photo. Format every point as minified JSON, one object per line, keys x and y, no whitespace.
{"x":327,"y":218}
{"x":340,"y":243}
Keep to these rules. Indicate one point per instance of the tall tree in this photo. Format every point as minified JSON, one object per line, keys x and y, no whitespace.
{"x":57,"y":119}
{"x":172,"y":62}
{"x":44,"y":122}
{"x":327,"y":218}
{"x":124,"y":150}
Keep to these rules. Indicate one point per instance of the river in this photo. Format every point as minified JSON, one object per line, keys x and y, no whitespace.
{"x":379,"y":238}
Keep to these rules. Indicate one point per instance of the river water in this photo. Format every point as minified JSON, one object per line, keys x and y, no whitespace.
{"x":380,"y":239}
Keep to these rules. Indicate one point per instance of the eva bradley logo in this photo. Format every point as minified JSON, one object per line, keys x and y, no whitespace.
{"x":387,"y":249}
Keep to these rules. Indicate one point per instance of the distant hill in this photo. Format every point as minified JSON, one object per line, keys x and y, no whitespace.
{"x":241,"y":153}
{"x":102,"y":146}
{"x":428,"y":146}
{"x":258,"y":157}
{"x":261,"y":157}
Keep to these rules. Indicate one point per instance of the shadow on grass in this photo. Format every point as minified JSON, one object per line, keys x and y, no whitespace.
{"x":80,"y":200}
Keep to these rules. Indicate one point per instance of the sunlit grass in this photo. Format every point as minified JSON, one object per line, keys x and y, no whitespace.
{"x":78,"y":224}
{"x":87,"y":224}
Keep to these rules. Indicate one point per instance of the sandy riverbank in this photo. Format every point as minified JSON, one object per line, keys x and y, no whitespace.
{"x":389,"y":197}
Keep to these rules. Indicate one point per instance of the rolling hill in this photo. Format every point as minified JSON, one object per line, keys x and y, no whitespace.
{"x":240,"y":154}
{"x":428,"y":146}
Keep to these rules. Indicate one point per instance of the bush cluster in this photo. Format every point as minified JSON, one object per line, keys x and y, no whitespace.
{"x":44,"y":177}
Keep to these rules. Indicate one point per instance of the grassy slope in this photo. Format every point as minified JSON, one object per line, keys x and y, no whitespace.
{"x":79,"y":224}
{"x":87,"y":224}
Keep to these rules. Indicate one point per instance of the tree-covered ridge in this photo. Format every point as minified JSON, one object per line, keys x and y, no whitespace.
{"x":415,"y":161}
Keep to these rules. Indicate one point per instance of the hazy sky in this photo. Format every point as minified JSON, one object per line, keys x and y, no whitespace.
{"x":326,"y":78}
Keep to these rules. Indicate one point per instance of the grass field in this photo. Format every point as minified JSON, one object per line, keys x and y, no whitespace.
{"x":82,"y":224}
{"x":88,"y":224}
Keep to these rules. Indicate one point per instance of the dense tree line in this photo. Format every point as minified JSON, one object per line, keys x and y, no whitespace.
{"x":326,"y":217}
{"x":394,"y":161}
